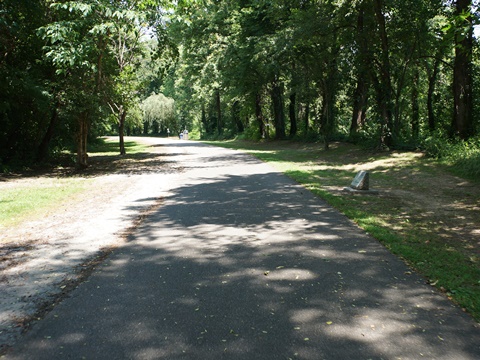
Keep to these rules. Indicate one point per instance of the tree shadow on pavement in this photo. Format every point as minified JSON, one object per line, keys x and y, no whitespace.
{"x":252,"y":267}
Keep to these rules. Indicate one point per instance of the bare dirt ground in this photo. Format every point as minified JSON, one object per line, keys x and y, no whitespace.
{"x":43,"y":259}
{"x":423,"y":198}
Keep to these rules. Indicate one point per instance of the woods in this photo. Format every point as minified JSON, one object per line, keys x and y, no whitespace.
{"x":386,"y":73}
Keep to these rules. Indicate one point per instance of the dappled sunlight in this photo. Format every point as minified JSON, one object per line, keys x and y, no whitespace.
{"x":252,"y":266}
{"x":399,"y":160}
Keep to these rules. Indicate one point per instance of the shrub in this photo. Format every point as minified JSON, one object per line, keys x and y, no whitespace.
{"x":463,"y":156}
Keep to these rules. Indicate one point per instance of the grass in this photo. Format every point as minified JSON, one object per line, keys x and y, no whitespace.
{"x":33,"y":200}
{"x":109,"y":147}
{"x":39,"y":195}
{"x":413,"y":216}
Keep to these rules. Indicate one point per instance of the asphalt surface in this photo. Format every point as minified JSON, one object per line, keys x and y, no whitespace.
{"x":240,"y":262}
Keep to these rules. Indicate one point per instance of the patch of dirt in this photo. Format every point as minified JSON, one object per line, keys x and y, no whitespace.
{"x":441,"y":204}
{"x":419,"y":196}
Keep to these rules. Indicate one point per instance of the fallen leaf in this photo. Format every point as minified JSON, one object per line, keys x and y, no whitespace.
{"x":329,"y":322}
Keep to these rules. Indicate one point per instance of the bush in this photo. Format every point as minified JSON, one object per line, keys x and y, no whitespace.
{"x":436,"y":145}
{"x":463,"y":156}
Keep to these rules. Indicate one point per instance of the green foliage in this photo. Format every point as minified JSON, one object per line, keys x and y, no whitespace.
{"x":25,"y":89}
{"x":325,"y":53}
{"x":463,"y":156}
{"x":68,"y":63}
{"x":379,"y":71}
{"x":160,"y":109}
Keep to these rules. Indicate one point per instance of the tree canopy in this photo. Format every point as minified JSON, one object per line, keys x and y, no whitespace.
{"x":389,"y":73}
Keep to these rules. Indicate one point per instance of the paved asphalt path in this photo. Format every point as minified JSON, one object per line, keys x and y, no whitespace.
{"x":242,"y":263}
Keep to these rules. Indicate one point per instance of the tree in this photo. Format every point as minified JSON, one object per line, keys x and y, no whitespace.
{"x":463,"y":123}
{"x":362,"y":72}
{"x":77,"y":45}
{"x":160,"y":109}
{"x":383,"y":82}
{"x":382,"y":63}
{"x":94,"y":46}
{"x":126,"y":47}
{"x":27,"y":90}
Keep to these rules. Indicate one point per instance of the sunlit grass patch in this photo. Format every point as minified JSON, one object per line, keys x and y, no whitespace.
{"x":110,"y":147}
{"x":21,"y":202}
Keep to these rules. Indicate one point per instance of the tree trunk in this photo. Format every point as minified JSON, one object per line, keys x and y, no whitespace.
{"x":360,"y":96}
{"x":82,"y":135}
{"x":327,"y":113}
{"x":431,"y":90}
{"x":384,"y":83}
{"x":278,"y":110}
{"x":121,"y":129}
{"x":236,"y":117}
{"x":292,"y":115}
{"x":360,"y":100}
{"x":43,"y":147}
{"x":415,"y":106}
{"x":204,"y":118}
{"x":259,"y":116}
{"x":219,"y":111}
{"x":329,"y":94}
{"x":462,"y":73}
{"x":307,"y":117}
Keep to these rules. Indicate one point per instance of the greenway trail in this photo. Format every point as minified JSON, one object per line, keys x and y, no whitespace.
{"x":240,"y":262}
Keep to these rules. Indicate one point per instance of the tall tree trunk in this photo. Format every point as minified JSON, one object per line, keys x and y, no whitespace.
{"x":384,"y":82}
{"x":278,"y":110}
{"x":122,"y":114}
{"x":259,"y":116}
{"x":432,"y":79}
{"x":360,"y":100}
{"x":360,"y":96}
{"x":219,"y":111}
{"x":47,"y":138}
{"x":329,"y":94}
{"x":236,"y":117}
{"x":415,"y":106}
{"x":462,"y":72}
{"x":204,"y":118}
{"x":292,"y":114}
{"x":307,"y":117}
{"x":82,"y":135}
{"x":327,"y":113}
